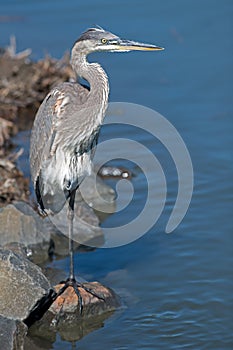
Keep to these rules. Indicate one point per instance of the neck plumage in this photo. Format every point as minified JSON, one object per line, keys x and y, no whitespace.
{"x":95,"y":75}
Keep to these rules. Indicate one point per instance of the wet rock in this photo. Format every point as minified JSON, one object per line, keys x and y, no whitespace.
{"x":67,"y":305}
{"x":64,"y":316}
{"x":22,"y":285}
{"x":114,"y":172}
{"x":12,"y":334}
{"x":20,"y":223}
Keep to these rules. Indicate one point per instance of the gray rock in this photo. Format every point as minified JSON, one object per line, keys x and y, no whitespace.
{"x":97,"y":194}
{"x":18,"y":248}
{"x":12,"y":334}
{"x":86,"y":228}
{"x":84,"y":212}
{"x":22,"y":285}
{"x":20,"y":223}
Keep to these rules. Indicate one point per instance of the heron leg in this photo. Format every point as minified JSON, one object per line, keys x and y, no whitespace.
{"x":71,"y":281}
{"x":70,"y":216}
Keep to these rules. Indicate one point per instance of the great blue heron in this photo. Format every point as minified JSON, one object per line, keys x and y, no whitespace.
{"x":66,"y":130}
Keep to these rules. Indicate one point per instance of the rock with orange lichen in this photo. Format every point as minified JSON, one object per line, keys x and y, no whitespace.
{"x":66,"y":306}
{"x":64,"y":318}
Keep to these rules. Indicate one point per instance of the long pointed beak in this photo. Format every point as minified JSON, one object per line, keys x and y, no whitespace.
{"x":129,"y":45}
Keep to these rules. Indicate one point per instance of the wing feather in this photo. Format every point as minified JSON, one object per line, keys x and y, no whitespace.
{"x":44,"y":133}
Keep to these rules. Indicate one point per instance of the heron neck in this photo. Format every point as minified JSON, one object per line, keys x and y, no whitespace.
{"x":95,"y":75}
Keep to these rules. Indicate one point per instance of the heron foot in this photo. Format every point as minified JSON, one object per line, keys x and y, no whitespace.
{"x":71,"y":282}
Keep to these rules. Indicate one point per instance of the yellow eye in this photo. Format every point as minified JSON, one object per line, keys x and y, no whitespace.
{"x":103,"y":41}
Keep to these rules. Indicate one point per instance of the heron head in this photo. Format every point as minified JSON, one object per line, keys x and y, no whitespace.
{"x":98,"y":39}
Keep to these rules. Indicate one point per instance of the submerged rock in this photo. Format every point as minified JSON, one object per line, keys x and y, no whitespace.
{"x":114,"y":172}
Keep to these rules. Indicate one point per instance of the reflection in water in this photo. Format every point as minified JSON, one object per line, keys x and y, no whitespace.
{"x":44,"y":333}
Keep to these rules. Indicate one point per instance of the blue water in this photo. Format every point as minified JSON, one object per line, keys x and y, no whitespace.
{"x":177,"y":288}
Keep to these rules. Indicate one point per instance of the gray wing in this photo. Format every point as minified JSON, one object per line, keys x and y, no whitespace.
{"x":41,"y":135}
{"x":44,"y":130}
